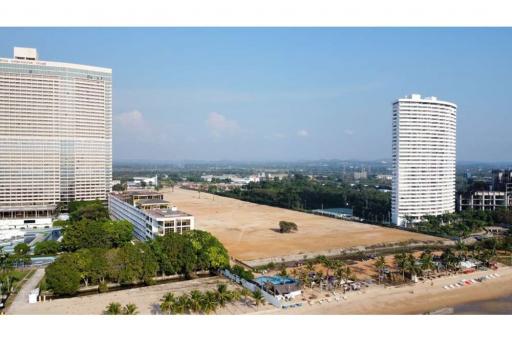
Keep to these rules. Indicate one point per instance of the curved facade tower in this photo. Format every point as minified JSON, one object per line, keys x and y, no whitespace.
{"x":424,"y":140}
{"x":55,"y":136}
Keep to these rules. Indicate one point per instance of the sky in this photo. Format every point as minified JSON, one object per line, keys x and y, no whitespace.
{"x":264,"y":94}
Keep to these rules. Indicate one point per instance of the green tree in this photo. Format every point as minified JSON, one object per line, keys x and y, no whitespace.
{"x":401,"y":263}
{"x":211,"y":254}
{"x":175,"y":254}
{"x":96,"y":234}
{"x":21,"y":249}
{"x":119,"y":187}
{"x":380,"y":265}
{"x":119,"y":232}
{"x":48,"y":247}
{"x":99,"y":266}
{"x":287,"y":227}
{"x":90,"y":210}
{"x":85,"y":234}
{"x":83,"y":259}
{"x":63,"y":276}
{"x":427,"y":261}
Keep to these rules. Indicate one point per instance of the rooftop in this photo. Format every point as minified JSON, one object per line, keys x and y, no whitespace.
{"x":152,"y":201}
{"x":166,"y":213}
{"x":24,"y":55}
{"x":128,"y":196}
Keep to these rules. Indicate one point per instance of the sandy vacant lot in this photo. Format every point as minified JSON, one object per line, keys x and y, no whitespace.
{"x":249,"y":231}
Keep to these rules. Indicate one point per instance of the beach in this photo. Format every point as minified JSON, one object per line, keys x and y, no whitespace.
{"x":407,"y":299}
{"x":417,"y":299}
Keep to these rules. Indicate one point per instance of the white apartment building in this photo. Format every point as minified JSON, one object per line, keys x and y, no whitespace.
{"x":149,"y":213}
{"x":55,"y":137}
{"x":424,"y":137}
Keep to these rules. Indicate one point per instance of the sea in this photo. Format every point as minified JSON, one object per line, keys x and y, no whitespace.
{"x":496,"y":306}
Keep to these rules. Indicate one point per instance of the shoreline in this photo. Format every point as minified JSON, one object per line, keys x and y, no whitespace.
{"x":420,"y":298}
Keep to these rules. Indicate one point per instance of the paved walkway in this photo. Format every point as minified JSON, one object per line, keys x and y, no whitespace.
{"x":20,"y":302}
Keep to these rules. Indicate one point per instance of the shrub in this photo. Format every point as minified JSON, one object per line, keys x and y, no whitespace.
{"x":287,"y":227}
{"x":102,"y":288}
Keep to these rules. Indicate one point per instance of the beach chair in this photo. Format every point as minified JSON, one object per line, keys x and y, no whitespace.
{"x":446,"y":287}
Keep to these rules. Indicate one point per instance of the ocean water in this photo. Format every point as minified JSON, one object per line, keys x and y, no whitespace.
{"x":497,"y":306}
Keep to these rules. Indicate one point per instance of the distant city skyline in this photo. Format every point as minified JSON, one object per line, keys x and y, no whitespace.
{"x":266,"y":94}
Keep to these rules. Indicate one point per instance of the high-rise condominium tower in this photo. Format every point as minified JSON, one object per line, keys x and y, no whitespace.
{"x":55,"y":136}
{"x":424,"y":132}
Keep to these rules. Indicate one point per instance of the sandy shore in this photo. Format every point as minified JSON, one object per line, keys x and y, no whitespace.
{"x":250,"y":231}
{"x":146,"y":298}
{"x":410,"y":299}
{"x":417,"y":299}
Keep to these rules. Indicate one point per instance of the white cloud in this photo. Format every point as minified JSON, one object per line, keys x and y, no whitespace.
{"x":131,"y":120}
{"x":219,"y":125}
{"x":348,"y":132}
{"x":302,"y":133}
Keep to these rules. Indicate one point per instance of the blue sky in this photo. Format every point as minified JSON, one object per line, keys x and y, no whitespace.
{"x":287,"y":94}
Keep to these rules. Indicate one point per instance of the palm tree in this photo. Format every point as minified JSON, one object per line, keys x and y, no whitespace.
{"x":427,"y":261}
{"x":168,"y":304}
{"x":223,"y":294}
{"x":258,"y":297}
{"x":462,"y":249}
{"x":310,"y":266}
{"x":113,"y":308}
{"x":303,"y":276}
{"x":182,"y":304}
{"x":380,"y":264}
{"x":235,"y":295}
{"x":328,"y":264}
{"x":411,"y":265}
{"x":449,"y":259}
{"x":348,"y":273}
{"x":196,"y":299}
{"x":401,"y":263}
{"x":130,"y":309}
{"x":245,"y":293}
{"x":294,"y":273}
{"x":210,"y":302}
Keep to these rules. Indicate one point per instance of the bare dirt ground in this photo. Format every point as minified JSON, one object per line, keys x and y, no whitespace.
{"x":250,"y":231}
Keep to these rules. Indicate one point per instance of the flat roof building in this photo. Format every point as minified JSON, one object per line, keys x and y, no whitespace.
{"x":424,"y":139}
{"x":55,"y":137}
{"x":149,"y":213}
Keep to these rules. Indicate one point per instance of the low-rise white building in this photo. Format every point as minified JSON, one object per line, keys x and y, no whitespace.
{"x":149,"y":213}
{"x":142,"y":182}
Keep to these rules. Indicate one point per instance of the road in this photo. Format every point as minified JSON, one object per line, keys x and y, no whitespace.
{"x":20,"y":302}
